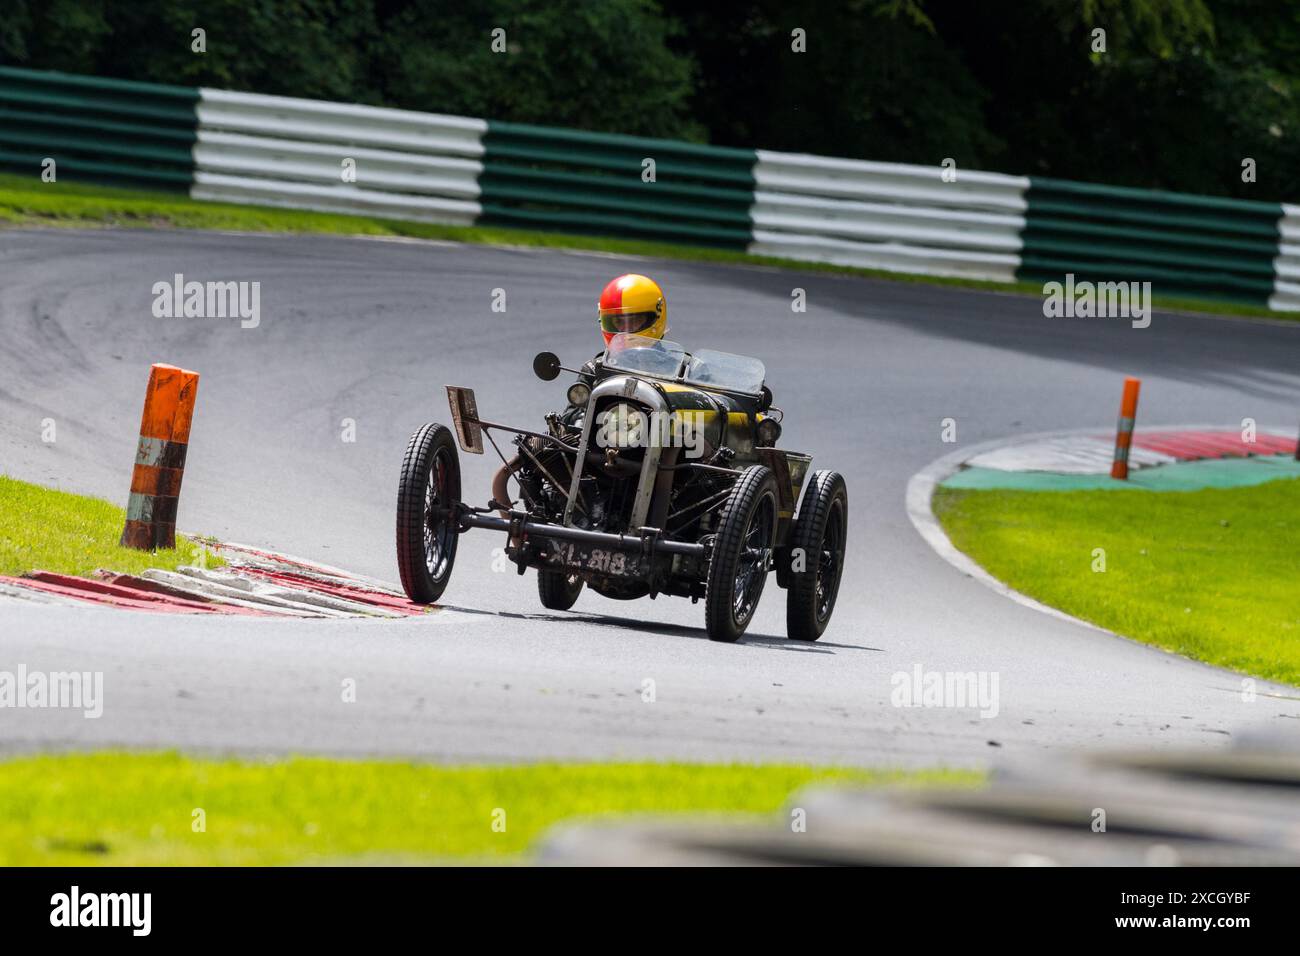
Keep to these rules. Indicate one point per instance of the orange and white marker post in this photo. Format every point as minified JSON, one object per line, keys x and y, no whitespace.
{"x":160,"y":458}
{"x":1128,"y":409}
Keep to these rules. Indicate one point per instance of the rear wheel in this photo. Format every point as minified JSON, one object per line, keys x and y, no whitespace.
{"x":741,"y":555}
{"x":426,"y":524}
{"x":558,"y":590}
{"x":817,"y":552}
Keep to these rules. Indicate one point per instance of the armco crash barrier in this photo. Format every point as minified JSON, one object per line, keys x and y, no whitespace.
{"x":160,"y":458}
{"x":281,"y":151}
{"x":543,"y":177}
{"x":121,"y":132}
{"x":1190,"y":246}
{"x":1286,"y":267}
{"x":888,"y":216}
{"x":429,"y":167}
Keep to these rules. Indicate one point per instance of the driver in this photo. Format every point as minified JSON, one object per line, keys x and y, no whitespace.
{"x":633,"y":303}
{"x":630,"y":303}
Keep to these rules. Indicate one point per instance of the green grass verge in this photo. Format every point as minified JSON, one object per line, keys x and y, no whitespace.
{"x":131,"y":809}
{"x":1208,"y":574}
{"x":48,"y":530}
{"x":25,"y":201}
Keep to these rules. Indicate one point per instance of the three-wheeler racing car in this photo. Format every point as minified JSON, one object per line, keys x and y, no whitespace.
{"x":661,"y":476}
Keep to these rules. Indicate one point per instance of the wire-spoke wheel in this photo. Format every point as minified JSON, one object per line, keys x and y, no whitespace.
{"x":817,"y":553}
{"x":742,"y":554}
{"x":427,"y":492}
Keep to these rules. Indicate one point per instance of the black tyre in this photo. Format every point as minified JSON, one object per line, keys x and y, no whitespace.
{"x":558,"y":590}
{"x":426,"y":525}
{"x":741,"y":555}
{"x":817,"y":547}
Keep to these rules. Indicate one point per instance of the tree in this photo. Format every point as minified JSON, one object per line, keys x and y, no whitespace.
{"x":590,"y":64}
{"x":874,"y":80}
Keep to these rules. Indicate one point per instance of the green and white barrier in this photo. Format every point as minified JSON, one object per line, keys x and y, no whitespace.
{"x":544,"y":177}
{"x":888,"y":216}
{"x":1286,"y":267}
{"x":135,"y":134}
{"x":334,"y":157}
{"x":401,"y":164}
{"x":1193,"y":246}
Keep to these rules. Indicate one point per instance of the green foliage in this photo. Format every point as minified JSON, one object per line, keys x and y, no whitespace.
{"x":1157,"y":27}
{"x":590,"y":64}
{"x":875,"y":81}
{"x":54,"y":34}
{"x":1185,"y":92}
{"x":312,"y":48}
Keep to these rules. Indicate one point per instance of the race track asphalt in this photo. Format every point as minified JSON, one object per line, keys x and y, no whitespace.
{"x":371,"y":330}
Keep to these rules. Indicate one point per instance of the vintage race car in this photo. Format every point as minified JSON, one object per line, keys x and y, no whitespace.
{"x":661,"y":476}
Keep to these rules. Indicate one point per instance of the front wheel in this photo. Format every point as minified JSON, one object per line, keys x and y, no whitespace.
{"x":742,"y":552}
{"x":427,"y":491}
{"x":558,"y":590}
{"x":817,"y":552}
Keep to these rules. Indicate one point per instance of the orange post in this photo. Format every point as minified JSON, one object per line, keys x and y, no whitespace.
{"x":160,"y":458}
{"x":1128,"y":409}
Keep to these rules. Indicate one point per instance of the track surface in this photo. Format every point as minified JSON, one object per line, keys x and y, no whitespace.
{"x":370,"y":331}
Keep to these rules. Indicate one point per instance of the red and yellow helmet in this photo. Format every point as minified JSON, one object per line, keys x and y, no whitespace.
{"x":633,"y":303}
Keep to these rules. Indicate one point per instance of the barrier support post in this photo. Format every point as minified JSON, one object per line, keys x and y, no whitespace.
{"x":1128,"y":408}
{"x":160,"y":458}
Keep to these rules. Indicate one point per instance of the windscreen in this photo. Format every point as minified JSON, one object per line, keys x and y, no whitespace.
{"x":639,"y":353}
{"x":663,"y":359}
{"x":725,"y":370}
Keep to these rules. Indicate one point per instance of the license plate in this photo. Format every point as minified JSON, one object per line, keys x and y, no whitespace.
{"x":573,"y":556}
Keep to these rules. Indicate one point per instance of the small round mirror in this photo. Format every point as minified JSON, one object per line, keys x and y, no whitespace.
{"x":546,"y":366}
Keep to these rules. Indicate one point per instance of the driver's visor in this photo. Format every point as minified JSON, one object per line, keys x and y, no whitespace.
{"x":614,"y":322}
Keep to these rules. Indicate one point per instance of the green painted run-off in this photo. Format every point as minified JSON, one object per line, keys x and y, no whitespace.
{"x":1178,"y":476}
